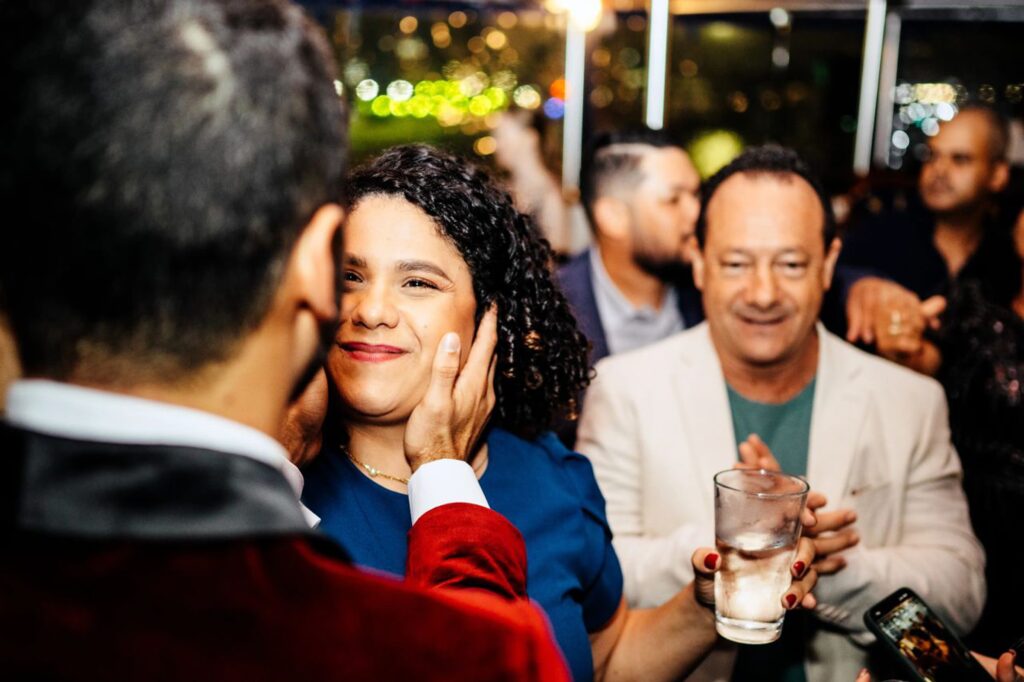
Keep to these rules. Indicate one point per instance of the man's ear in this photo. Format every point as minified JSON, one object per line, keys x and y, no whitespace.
{"x":697,"y":264}
{"x":831,"y":256}
{"x":1000,"y":177}
{"x":612,"y":217}
{"x":312,"y":262}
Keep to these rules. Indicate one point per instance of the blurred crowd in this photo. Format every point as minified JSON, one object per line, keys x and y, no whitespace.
{"x":266,"y":416}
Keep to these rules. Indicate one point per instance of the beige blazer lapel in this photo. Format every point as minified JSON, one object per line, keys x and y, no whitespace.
{"x":706,"y":418}
{"x":837,"y":419}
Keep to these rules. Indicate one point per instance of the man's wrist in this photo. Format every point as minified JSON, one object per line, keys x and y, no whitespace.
{"x":416,"y":462}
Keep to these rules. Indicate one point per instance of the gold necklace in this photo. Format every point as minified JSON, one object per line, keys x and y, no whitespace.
{"x":372,"y":470}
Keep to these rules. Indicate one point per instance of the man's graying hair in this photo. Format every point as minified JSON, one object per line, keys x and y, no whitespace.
{"x":162,"y":159}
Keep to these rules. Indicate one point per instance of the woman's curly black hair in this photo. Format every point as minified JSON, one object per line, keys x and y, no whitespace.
{"x":542,"y":355}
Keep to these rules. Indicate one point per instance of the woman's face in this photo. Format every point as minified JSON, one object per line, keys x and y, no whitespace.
{"x":405,"y":287}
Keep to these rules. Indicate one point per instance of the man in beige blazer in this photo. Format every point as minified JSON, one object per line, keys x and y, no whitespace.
{"x":659,"y":423}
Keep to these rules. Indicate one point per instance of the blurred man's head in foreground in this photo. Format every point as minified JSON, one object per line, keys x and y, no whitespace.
{"x":165,"y":160}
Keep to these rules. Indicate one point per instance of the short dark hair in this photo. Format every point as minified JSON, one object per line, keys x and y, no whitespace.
{"x":613,"y":159}
{"x":771,"y":160}
{"x":162,"y":159}
{"x":542,"y":355}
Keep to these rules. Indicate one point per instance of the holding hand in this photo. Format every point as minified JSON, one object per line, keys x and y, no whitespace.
{"x":1002,"y":670}
{"x":831,"y":532}
{"x":447,"y":423}
{"x":707,"y":561}
{"x":885,"y":314}
{"x":868,"y":304}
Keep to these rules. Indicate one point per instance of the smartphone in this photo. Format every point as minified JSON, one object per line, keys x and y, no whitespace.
{"x":916,"y":635}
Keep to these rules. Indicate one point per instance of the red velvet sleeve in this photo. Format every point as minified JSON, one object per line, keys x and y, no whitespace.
{"x":476,"y":554}
{"x":466,"y":546}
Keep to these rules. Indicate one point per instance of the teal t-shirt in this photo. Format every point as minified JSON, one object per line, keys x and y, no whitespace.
{"x":786,"y":429}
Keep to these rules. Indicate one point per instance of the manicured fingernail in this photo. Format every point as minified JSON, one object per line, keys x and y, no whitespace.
{"x":450,"y":342}
{"x":790,"y":600}
{"x":800,"y":567}
{"x":710,"y":561}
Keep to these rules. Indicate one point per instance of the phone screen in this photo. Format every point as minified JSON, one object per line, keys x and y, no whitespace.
{"x":925,"y":642}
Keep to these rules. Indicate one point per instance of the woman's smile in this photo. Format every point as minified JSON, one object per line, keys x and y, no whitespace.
{"x":371,"y":352}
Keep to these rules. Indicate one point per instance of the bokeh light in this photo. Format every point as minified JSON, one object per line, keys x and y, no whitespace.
{"x":485,"y":146}
{"x":400,"y":90}
{"x":713,"y":149}
{"x":367,"y":89}
{"x":408,"y":24}
{"x":457,"y":19}
{"x":527,"y":97}
{"x":554,"y":108}
{"x":557,"y":88}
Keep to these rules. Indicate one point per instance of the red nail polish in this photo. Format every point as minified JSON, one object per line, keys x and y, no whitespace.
{"x":800,"y":567}
{"x":790,"y":600}
{"x":710,"y":561}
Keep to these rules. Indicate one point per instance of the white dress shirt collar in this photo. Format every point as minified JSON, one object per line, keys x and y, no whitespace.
{"x":625,"y":325}
{"x":80,"y":413}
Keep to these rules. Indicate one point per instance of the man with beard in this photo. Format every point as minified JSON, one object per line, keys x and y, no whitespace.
{"x":175,"y":168}
{"x":633,"y":286}
{"x":763,"y":376}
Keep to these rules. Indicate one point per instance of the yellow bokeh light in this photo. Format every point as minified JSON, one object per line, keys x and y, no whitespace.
{"x":408,"y":24}
{"x":497,"y":98}
{"x":933,"y":93}
{"x":713,"y":149}
{"x":381,"y":106}
{"x":419,"y":106}
{"x":480,"y":105}
{"x":496,"y":40}
{"x":449,"y":115}
{"x":507,"y":20}
{"x":457,"y":19}
{"x":399,"y":108}
{"x":485,"y":146}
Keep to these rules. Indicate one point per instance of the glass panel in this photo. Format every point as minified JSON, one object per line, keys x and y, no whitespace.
{"x":944,"y":63}
{"x":617,"y":72}
{"x":787,"y":77}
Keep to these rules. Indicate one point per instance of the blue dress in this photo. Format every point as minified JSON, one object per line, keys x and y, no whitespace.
{"x":547,"y":491}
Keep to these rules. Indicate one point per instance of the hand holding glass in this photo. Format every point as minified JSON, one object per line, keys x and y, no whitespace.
{"x":757,"y":527}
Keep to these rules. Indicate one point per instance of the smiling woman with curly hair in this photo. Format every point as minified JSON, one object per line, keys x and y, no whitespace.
{"x":431,"y":243}
{"x":542,"y":355}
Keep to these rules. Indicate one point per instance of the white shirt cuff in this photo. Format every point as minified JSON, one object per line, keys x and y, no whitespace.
{"x":311,"y":518}
{"x":443,"y":481}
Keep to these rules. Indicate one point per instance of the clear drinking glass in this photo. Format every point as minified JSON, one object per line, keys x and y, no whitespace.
{"x":757,"y":526}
